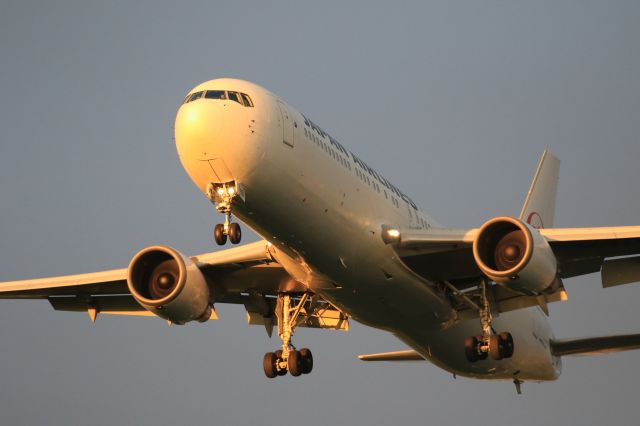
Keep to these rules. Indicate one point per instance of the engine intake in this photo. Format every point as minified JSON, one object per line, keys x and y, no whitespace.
{"x":514,"y":254}
{"x":169,"y":284}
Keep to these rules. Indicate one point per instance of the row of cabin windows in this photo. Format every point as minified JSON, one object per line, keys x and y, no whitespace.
{"x":347,"y":165}
{"x":375,"y":185}
{"x":241,"y":98}
{"x":326,"y":148}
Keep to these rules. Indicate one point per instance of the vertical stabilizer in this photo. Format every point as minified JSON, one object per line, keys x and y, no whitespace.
{"x":540,"y":205}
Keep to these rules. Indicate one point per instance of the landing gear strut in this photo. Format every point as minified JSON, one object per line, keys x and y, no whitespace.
{"x":288,"y":358}
{"x":222,"y":196}
{"x":499,"y":346}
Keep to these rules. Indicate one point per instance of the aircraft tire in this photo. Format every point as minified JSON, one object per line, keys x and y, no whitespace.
{"x":269,"y":365}
{"x":506,"y":340}
{"x":235,"y":233}
{"x":219,"y":235}
{"x":307,"y":360}
{"x":278,"y":359}
{"x":495,"y":347}
{"x":471,"y":348}
{"x":294,"y":363}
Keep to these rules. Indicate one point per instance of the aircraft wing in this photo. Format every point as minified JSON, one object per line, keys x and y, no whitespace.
{"x":246,"y":275}
{"x":447,"y":253}
{"x":446,"y":256}
{"x":216,"y":265}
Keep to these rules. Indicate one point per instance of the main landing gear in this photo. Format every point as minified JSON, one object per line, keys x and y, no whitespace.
{"x":222,"y":196}
{"x":499,"y":346}
{"x":288,"y":358}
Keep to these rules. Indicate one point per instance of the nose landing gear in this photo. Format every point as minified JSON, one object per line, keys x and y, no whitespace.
{"x":222,"y":196}
{"x":288,"y":358}
{"x":499,"y":346}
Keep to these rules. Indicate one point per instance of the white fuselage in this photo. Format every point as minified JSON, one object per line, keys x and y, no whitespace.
{"x":323,"y":209}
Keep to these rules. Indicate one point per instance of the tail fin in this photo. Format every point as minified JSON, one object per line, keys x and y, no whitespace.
{"x":540,"y":205}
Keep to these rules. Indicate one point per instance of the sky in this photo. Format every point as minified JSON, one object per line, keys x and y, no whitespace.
{"x":452,"y":101}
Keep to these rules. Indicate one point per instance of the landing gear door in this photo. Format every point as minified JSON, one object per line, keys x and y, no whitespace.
{"x":287,"y":124}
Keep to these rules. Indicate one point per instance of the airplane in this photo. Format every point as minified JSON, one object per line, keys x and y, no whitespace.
{"x":341,"y":242}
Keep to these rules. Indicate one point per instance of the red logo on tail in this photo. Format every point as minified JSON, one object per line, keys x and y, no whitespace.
{"x":535,"y":220}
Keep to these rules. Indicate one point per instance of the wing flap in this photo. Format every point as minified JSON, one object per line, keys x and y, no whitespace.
{"x":621,"y":271}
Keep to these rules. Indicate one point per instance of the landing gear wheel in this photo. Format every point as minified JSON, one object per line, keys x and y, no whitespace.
{"x":506,"y":340}
{"x":294,"y":363}
{"x":269,"y":365}
{"x":471,"y":348}
{"x":219,"y":235}
{"x":307,"y":360}
{"x":281,"y":372}
{"x":235,"y":233}
{"x":482,"y":354}
{"x":495,"y":347}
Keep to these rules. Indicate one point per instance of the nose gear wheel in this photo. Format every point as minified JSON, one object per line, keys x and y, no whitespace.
{"x":222,"y":195}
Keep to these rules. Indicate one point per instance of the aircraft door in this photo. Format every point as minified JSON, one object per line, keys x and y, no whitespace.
{"x":287,"y":124}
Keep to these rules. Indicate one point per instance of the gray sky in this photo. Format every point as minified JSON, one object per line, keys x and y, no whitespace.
{"x":453,"y":101}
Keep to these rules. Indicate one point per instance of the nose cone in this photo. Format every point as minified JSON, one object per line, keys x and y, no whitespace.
{"x":197,"y":130}
{"x":220,"y":137}
{"x":204,"y":139}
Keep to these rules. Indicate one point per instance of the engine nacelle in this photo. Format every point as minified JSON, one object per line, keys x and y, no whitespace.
{"x":169,"y":284}
{"x":514,"y":254}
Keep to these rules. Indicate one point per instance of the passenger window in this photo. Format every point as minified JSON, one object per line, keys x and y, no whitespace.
{"x":215,"y":94}
{"x":234,"y":96}
{"x":247,"y":100}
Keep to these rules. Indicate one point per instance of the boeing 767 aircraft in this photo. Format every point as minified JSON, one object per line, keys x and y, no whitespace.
{"x":341,"y":242}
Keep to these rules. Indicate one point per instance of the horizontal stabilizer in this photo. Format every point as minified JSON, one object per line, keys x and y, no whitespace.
{"x":393,"y":356}
{"x":596,"y":345}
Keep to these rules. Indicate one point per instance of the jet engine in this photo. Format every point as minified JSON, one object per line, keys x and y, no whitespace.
{"x":514,"y":254}
{"x":169,"y":284}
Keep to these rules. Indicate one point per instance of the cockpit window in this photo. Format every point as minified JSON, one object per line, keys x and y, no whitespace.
{"x":195,"y":96}
{"x":233,"y":96}
{"x":247,"y":100}
{"x":241,"y":98}
{"x":215,"y":94}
